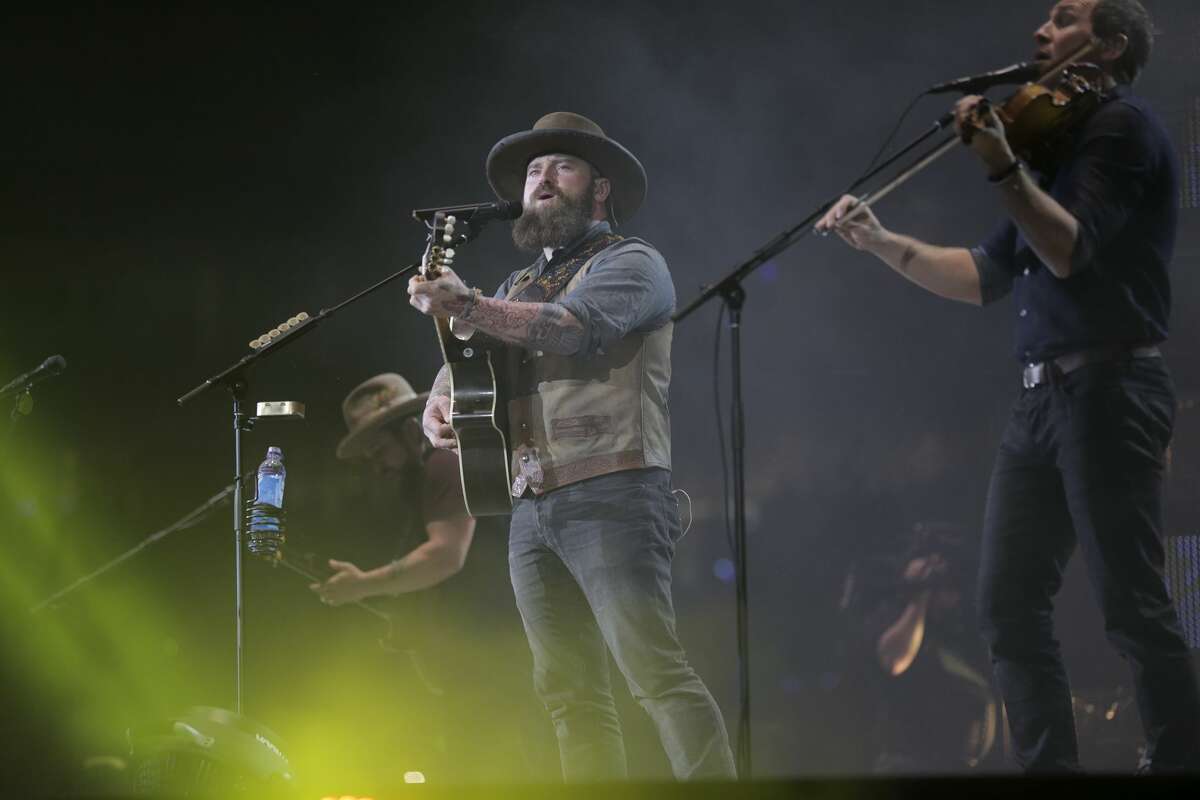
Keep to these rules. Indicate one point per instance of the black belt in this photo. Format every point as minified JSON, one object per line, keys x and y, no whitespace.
{"x":1045,"y":371}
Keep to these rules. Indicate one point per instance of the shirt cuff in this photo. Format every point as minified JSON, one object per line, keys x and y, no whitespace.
{"x":591,"y":340}
{"x":994,"y":280}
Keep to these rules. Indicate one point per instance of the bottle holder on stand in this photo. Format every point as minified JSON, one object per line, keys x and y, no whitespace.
{"x":266,"y":528}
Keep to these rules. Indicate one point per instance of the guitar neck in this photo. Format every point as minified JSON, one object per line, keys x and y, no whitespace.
{"x":449,"y":343}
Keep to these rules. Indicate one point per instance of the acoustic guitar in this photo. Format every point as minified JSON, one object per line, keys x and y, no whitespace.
{"x":478,"y":411}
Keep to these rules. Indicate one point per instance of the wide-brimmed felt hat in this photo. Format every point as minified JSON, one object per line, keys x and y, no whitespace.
{"x":564,"y":132}
{"x":372,"y":404}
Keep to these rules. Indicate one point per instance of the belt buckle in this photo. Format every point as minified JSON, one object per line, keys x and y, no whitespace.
{"x":1033,"y":375}
{"x":530,"y":473}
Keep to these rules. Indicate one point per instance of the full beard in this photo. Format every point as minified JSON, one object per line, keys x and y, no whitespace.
{"x":555,"y":226}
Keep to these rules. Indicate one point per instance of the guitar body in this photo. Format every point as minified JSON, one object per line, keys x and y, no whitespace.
{"x":478,"y":413}
{"x":480,"y":421}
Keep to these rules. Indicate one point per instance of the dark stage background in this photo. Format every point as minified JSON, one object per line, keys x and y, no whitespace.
{"x":179,"y":181}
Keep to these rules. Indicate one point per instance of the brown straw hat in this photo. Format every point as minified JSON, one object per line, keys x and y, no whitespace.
{"x":564,"y":132}
{"x":374,"y":403}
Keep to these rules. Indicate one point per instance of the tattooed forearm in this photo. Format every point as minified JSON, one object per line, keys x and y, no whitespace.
{"x":910,"y":253}
{"x":555,"y":330}
{"x":536,"y":326}
{"x":441,"y":384}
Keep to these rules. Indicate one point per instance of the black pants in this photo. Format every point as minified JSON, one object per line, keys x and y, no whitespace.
{"x":1082,"y":460}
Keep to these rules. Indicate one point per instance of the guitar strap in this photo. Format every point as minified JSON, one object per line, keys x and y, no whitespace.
{"x":559,"y":271}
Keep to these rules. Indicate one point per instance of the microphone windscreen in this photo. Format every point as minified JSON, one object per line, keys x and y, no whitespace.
{"x":54,"y":364}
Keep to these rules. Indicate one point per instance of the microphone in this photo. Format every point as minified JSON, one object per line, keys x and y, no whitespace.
{"x":475,"y":214}
{"x":48,"y":369}
{"x":1014,"y":73}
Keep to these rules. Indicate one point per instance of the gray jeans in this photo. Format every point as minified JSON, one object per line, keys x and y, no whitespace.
{"x":591,"y":569}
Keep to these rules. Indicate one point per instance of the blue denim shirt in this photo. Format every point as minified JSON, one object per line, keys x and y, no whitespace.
{"x":1120,"y":180}
{"x":628,"y":289}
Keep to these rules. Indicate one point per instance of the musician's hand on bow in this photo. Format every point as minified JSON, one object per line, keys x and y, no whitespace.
{"x":443,"y":296}
{"x":436,"y":423}
{"x":923,"y":568}
{"x":347,"y":584}
{"x":977,"y":124}
{"x":852,"y":221}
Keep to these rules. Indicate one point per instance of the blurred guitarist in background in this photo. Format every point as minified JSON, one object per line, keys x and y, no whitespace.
{"x":384,"y":431}
{"x":594,"y":521}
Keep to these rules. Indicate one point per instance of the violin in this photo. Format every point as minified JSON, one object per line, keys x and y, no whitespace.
{"x":1039,"y":121}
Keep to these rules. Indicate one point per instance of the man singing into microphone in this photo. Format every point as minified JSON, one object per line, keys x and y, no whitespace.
{"x":594,"y":522}
{"x":1084,"y":252}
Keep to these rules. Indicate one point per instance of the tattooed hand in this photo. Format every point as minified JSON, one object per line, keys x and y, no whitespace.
{"x":443,"y":296}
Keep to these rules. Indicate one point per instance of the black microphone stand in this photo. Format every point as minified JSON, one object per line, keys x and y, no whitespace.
{"x":188,"y":520}
{"x":233,"y":378}
{"x":734,"y":296}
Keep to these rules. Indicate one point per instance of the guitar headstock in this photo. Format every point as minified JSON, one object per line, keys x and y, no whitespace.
{"x":439,"y":254}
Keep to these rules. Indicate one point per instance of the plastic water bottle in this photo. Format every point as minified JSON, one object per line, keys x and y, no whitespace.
{"x":265,"y":516}
{"x":271,"y":475}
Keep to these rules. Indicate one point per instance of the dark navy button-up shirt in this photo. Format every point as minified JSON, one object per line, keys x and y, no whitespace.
{"x":1119,"y":179}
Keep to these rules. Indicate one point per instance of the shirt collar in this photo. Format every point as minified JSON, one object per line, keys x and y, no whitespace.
{"x":1121,"y":90}
{"x":596,"y":228}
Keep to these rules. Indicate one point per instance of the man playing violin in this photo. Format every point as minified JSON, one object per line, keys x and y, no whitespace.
{"x":594,"y":521}
{"x":1084,"y":251}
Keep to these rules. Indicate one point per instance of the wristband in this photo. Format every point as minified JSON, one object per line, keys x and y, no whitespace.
{"x":1006,"y":173}
{"x":470,"y":306}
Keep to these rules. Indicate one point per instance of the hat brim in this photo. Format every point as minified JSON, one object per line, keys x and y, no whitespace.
{"x":509,"y":157}
{"x":352,"y":445}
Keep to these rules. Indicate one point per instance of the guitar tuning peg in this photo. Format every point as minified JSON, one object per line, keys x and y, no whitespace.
{"x":449,"y":254}
{"x":450,"y":220}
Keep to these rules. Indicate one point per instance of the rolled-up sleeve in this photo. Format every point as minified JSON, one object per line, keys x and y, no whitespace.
{"x":628,"y":289}
{"x":994,"y":262}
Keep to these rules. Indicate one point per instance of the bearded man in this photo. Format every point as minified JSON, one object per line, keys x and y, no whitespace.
{"x":594,"y":522}
{"x":1084,"y":251}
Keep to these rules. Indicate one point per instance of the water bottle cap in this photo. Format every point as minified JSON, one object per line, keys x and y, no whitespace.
{"x":274,"y":451}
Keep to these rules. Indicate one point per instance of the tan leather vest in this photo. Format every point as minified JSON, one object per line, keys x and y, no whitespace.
{"x":576,"y":418}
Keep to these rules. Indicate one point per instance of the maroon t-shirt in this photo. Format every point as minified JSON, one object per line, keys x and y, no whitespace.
{"x":441,"y":488}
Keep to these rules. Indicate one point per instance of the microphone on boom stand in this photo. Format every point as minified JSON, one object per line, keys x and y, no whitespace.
{"x":971,"y":84}
{"x":54,"y":365}
{"x":475,"y":215}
